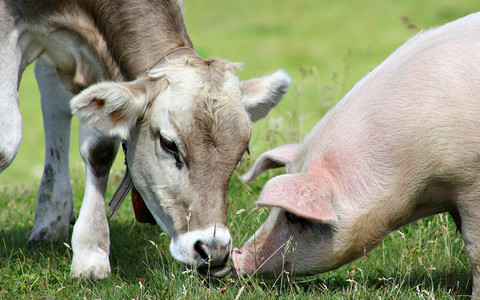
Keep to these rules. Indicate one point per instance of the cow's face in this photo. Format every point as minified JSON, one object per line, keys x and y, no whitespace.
{"x":188,"y":125}
{"x":183,"y":153}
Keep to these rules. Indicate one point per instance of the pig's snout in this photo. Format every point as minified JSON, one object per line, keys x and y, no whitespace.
{"x":243,"y":262}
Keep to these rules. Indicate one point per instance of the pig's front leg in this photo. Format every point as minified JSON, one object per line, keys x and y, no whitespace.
{"x":469,"y":211}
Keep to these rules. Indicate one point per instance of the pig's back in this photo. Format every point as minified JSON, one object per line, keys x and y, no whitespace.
{"x":415,"y":116}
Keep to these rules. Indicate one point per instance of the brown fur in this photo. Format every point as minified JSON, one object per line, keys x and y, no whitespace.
{"x":214,"y":142}
{"x":101,"y":157}
{"x":114,"y":29}
{"x":2,"y":158}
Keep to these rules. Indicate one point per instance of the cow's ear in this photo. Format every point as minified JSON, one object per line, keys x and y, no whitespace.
{"x":259,"y":95}
{"x":113,"y":107}
{"x":271,"y":159}
{"x":180,"y":3}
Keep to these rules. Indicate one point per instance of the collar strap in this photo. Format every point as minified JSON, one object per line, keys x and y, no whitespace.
{"x":173,"y":53}
{"x":126,"y":183}
{"x":123,"y":188}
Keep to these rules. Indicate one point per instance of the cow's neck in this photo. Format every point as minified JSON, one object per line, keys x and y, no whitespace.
{"x":139,"y":33}
{"x":127,"y":37}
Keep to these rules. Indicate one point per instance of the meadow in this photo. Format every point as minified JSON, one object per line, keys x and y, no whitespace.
{"x":326,"y":46}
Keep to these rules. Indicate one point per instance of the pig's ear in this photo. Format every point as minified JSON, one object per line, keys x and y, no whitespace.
{"x":271,"y":159}
{"x":260,"y":95}
{"x":303,"y":195}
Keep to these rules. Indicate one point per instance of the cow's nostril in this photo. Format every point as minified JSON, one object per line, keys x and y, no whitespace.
{"x":212,"y":259}
{"x":201,"y":251}
{"x":214,"y":255}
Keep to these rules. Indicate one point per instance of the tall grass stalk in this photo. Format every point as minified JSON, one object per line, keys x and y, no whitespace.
{"x":326,"y":46}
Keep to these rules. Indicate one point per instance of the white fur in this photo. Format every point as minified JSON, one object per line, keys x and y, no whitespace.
{"x":91,"y":235}
{"x":260,"y":95}
{"x":10,"y":118}
{"x":117,"y":96}
{"x":182,"y":249}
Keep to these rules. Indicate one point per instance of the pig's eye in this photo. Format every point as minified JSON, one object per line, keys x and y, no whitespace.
{"x":294,"y":219}
{"x":291,"y":217}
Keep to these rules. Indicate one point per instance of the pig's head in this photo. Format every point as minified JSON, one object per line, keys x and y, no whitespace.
{"x":187,"y":123}
{"x":299,"y":231}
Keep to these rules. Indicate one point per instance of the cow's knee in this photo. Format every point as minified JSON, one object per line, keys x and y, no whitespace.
{"x":7,"y":154}
{"x":9,"y":143}
{"x":10,"y":117}
{"x":98,"y":151}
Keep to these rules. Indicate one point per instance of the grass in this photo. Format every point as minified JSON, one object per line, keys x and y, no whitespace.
{"x":423,"y":260}
{"x":326,"y":46}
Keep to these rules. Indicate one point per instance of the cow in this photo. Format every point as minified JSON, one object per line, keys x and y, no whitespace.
{"x":403,"y":144}
{"x":129,"y":69}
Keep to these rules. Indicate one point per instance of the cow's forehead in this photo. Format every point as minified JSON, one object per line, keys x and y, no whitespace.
{"x":202,"y":108}
{"x":193,"y":72}
{"x":218,"y":125}
{"x":191,"y":81}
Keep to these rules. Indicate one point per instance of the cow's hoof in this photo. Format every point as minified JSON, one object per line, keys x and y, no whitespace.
{"x":38,"y":237}
{"x":47,"y":230}
{"x":96,"y":266}
{"x":94,"y":272}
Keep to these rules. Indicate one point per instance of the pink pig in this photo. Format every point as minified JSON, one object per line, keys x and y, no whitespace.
{"x":403,"y":144}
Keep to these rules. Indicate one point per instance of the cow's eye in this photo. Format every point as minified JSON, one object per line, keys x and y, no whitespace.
{"x":168,"y":145}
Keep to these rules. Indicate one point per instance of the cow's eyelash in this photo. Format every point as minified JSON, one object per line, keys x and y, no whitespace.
{"x":168,"y":145}
{"x":171,"y":148}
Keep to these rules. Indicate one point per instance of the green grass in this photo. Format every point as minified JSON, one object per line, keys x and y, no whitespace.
{"x":423,"y":260}
{"x":326,"y":46}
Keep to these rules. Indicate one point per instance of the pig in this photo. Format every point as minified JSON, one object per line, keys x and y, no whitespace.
{"x":403,"y":144}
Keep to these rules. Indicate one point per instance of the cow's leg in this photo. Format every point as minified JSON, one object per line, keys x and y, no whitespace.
{"x":54,"y":211}
{"x":469,"y":210}
{"x":91,"y":236}
{"x":10,"y":117}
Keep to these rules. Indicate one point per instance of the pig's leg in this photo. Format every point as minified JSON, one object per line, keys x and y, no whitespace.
{"x":469,"y":211}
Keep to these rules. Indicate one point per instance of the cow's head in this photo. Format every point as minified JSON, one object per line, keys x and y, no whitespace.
{"x":188,"y":124}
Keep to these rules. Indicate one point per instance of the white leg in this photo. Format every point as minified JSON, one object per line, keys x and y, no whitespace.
{"x":469,"y":212}
{"x":10,"y":117}
{"x":54,"y":211}
{"x":91,"y":236}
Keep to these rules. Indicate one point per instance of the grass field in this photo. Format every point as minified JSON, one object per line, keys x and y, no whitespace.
{"x":326,"y":46}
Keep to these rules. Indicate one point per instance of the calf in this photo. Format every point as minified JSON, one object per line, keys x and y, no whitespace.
{"x":403,"y":144}
{"x":136,"y":75}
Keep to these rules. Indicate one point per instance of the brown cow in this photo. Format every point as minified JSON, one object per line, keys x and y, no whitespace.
{"x":187,"y":119}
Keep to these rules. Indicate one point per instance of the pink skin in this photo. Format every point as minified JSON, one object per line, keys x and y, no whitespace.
{"x":279,"y":241}
{"x":403,"y":144}
{"x":264,"y":256}
{"x":304,"y":195}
